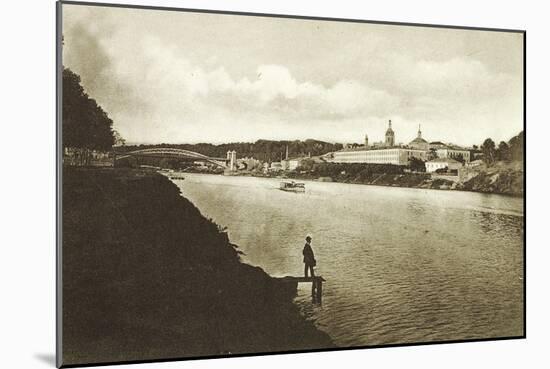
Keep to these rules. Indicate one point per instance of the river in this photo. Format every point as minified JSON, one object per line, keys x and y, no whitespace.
{"x":402,"y":265}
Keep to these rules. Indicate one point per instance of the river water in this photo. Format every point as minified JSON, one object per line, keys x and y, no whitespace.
{"x":402,"y":265}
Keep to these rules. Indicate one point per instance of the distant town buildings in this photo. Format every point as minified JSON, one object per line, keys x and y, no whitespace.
{"x":454,"y":153}
{"x":395,"y":155}
{"x":474,"y":163}
{"x":441,"y":163}
{"x":436,"y":155}
{"x":248,"y":163}
{"x":437,"y":145}
{"x":388,"y":152}
{"x":292,"y":163}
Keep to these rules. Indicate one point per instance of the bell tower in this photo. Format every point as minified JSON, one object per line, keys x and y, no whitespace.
{"x":390,"y":136}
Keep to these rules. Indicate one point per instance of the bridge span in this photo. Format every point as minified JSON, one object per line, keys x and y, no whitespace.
{"x":168,"y":152}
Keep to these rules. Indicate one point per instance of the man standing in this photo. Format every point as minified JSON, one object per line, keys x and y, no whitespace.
{"x":309,"y":258}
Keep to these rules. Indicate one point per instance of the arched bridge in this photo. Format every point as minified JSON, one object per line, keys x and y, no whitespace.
{"x":167,"y":152}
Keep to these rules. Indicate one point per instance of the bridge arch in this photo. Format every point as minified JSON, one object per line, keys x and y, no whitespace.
{"x":168,"y":152}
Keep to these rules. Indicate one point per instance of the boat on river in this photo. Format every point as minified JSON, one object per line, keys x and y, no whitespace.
{"x":292,"y":186}
{"x":177,"y":176}
{"x":171,"y":174}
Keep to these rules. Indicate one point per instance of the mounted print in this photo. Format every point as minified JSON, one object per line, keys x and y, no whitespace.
{"x":246,"y":184}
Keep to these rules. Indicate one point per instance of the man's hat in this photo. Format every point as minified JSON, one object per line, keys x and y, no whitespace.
{"x":308,"y":238}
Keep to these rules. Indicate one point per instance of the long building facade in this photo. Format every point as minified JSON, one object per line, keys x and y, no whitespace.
{"x":454,"y":153}
{"x":396,"y":155}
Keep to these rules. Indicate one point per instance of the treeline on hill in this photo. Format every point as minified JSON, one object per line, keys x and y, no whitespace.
{"x":86,"y":127}
{"x":513,"y":150}
{"x":264,"y":150}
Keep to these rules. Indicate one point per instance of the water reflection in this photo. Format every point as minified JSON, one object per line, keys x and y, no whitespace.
{"x":402,"y":265}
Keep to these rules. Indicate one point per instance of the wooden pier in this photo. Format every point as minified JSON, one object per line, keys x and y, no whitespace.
{"x":316,"y":285}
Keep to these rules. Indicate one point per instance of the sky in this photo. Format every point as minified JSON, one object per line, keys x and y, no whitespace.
{"x":180,"y":77}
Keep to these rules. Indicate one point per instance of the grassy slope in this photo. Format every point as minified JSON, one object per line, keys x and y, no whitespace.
{"x":146,"y":276}
{"x":501,"y":178}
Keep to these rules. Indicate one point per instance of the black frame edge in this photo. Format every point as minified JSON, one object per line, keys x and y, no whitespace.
{"x":287,"y":16}
{"x":337,"y":349}
{"x":59,"y":70}
{"x":525,"y":184}
{"x":59,"y":184}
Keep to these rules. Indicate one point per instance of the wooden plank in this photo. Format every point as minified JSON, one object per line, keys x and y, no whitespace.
{"x":316,"y":285}
{"x":303,"y":279}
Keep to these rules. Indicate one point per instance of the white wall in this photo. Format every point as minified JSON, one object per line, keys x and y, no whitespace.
{"x":27,"y":210}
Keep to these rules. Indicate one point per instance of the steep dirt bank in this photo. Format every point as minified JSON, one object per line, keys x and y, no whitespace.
{"x":146,"y":276}
{"x":500,"y":179}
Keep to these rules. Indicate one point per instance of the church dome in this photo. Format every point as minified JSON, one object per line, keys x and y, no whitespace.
{"x":419,"y":140}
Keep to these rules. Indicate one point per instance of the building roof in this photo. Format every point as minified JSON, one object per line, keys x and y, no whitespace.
{"x":475,"y":162}
{"x":455,"y":147}
{"x":352,"y":149}
{"x":419,"y":140}
{"x":370,"y":148}
{"x":448,"y":146}
{"x":444,"y":160}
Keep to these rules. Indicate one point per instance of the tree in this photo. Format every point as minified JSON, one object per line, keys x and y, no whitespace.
{"x":432,"y":154}
{"x":85,"y":126}
{"x":119,"y":140}
{"x":503,"y":151}
{"x":489,"y":151}
{"x":306,"y":165}
{"x":516,"y":147}
{"x":417,"y":165}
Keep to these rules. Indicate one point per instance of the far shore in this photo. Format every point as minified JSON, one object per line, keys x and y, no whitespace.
{"x":422,"y":181}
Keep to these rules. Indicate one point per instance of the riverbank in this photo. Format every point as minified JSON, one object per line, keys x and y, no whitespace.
{"x":500,"y":178}
{"x":491,"y":182}
{"x":146,"y":276}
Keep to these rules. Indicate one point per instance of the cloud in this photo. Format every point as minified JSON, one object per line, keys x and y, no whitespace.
{"x":155,"y":88}
{"x":168,"y":88}
{"x":274,"y":86}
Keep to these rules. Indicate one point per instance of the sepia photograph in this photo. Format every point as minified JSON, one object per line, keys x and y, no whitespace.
{"x":237,"y":184}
